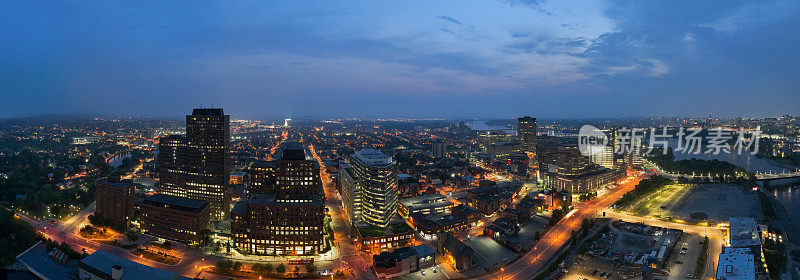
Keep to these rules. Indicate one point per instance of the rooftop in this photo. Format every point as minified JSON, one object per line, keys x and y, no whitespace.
{"x":103,"y":261}
{"x":37,"y":260}
{"x":736,"y":264}
{"x":207,"y":112}
{"x":425,"y":201}
{"x":293,"y":151}
{"x":744,"y":232}
{"x":186,"y":204}
{"x":373,"y":157}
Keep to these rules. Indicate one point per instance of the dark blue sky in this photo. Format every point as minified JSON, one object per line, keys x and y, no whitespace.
{"x":550,"y":59}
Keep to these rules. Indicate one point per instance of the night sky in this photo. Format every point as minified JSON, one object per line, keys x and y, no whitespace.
{"x":549,"y":59}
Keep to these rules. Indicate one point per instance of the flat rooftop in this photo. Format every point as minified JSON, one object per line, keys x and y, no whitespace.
{"x":293,"y":151}
{"x":103,"y":261}
{"x":425,"y":201}
{"x":373,"y":157}
{"x":182,"y":203}
{"x":207,"y":112}
{"x":38,"y":261}
{"x":736,"y":264}
{"x":744,"y":232}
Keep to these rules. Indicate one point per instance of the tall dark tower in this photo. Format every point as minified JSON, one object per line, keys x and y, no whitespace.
{"x":196,"y":166}
{"x":526,"y":131}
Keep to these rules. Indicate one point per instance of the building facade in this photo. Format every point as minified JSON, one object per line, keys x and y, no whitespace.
{"x":115,"y":201}
{"x":573,"y":172}
{"x":196,"y":165}
{"x":284,"y":212}
{"x":527,"y":134}
{"x":378,"y":186}
{"x":270,"y":224}
{"x":438,"y":149}
{"x":175,"y":218}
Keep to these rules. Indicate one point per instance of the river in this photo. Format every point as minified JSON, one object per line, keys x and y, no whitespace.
{"x":749,"y":162}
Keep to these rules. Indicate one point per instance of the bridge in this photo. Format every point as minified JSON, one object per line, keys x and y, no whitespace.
{"x":777,"y":176}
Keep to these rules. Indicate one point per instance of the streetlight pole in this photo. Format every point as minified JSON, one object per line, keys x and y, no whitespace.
{"x":502,"y":273}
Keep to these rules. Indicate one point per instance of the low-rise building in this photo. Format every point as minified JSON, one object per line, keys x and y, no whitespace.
{"x":430,"y":225}
{"x":403,"y":260}
{"x":461,"y":256}
{"x":103,"y":265}
{"x":736,"y":264}
{"x":175,"y":218}
{"x":472,"y":215}
{"x":429,"y":204}
{"x":530,"y":205}
{"x":375,"y":239}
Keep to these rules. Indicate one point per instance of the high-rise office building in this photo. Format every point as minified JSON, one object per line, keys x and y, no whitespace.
{"x":196,"y":165}
{"x":438,"y":149}
{"x":572,"y":171}
{"x":526,"y":132}
{"x":284,"y":211}
{"x":377,"y":184}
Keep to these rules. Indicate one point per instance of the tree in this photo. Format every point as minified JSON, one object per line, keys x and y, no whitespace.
{"x":131,"y":235}
{"x":311,"y":269}
{"x":237,"y":265}
{"x":205,"y":237}
{"x":268,"y":268}
{"x":281,"y":269}
{"x":224,"y":265}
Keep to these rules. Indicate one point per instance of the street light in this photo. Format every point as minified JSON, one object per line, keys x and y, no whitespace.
{"x":502,"y":272}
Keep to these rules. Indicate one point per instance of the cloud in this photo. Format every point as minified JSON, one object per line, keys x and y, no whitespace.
{"x":654,"y":66}
{"x":533,"y":4}
{"x":449,"y":19}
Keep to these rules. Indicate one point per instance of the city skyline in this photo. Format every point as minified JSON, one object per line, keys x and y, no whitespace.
{"x":541,"y":58}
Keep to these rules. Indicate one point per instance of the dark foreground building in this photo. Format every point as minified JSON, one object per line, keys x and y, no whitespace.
{"x":196,"y":166}
{"x":175,"y":218}
{"x":285,"y":210}
{"x":115,"y":201}
{"x":270,"y":224}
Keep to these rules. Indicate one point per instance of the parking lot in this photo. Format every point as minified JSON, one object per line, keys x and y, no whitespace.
{"x":621,"y":251}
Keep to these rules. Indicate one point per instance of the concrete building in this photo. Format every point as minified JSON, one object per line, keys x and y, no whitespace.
{"x":461,"y":256}
{"x":429,"y":204}
{"x":350,"y":188}
{"x":438,"y":150}
{"x":103,"y":265}
{"x":270,"y":224}
{"x":573,"y":172}
{"x":373,"y":172}
{"x":527,"y":134}
{"x":284,"y":213}
{"x":175,"y":218}
{"x":197,"y":165}
{"x":744,"y":232}
{"x":374,"y":239}
{"x":115,"y":201}
{"x":403,"y":261}
{"x":736,"y":264}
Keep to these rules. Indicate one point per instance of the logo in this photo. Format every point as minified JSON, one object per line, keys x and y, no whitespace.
{"x":591,"y":140}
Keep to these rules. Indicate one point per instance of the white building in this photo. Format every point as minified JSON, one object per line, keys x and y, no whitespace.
{"x":736,"y":264}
